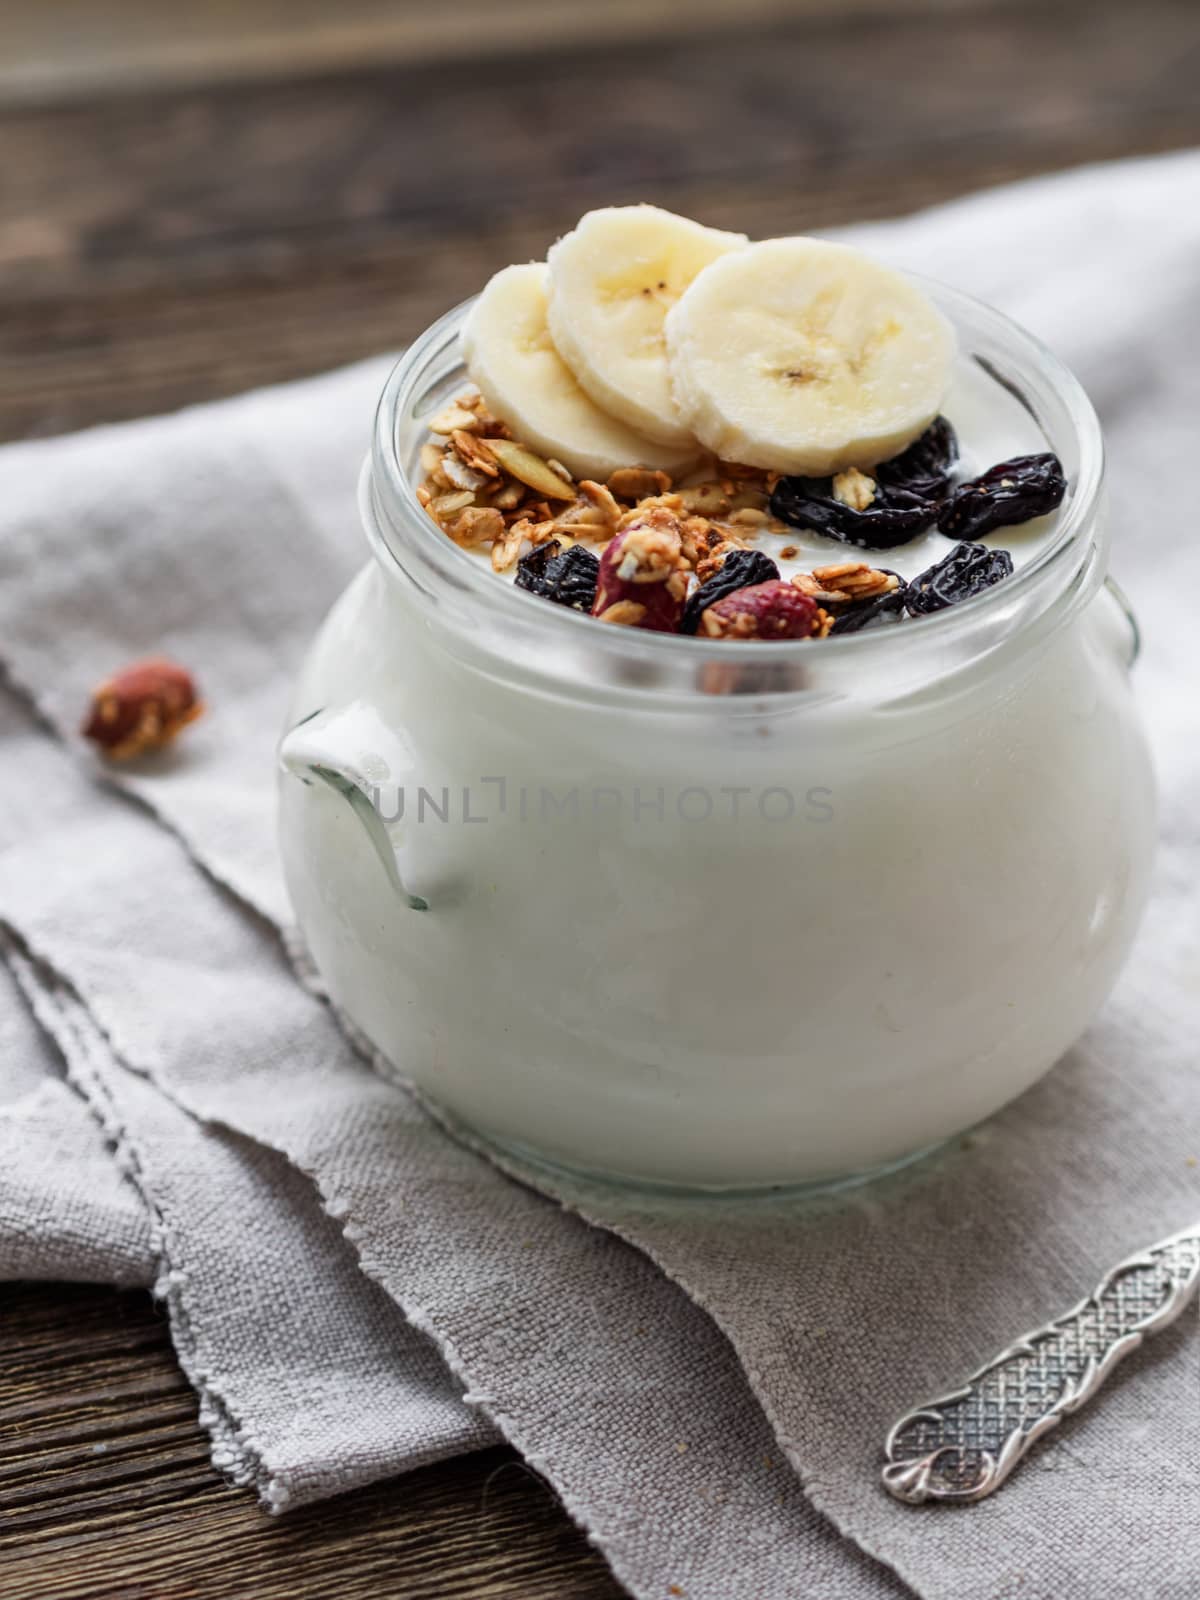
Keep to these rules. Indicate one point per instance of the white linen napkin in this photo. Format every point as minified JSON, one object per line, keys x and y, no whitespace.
{"x":219,"y":536}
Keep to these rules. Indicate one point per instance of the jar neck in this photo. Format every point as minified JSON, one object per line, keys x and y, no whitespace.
{"x":493,"y":627}
{"x":515,"y":645}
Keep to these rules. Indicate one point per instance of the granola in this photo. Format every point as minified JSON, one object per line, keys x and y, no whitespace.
{"x":854,"y":489}
{"x":659,"y":542}
{"x":845,"y":583}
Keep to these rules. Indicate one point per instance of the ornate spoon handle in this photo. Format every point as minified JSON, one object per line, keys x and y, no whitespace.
{"x":963,"y":1445}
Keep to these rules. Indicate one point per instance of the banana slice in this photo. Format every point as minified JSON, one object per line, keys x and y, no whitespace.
{"x":512,"y":359}
{"x":612,"y":282}
{"x":807,"y":357}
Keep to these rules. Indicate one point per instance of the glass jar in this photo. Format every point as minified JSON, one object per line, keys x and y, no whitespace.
{"x":718,"y":915}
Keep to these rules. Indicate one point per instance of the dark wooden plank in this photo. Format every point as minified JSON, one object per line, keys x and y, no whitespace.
{"x":166,"y":248}
{"x":253,"y":174}
{"x":76,"y":47}
{"x":106,"y":1492}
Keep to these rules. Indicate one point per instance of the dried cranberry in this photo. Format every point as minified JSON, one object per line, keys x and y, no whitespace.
{"x":968,"y":570}
{"x":894,"y":516}
{"x":565,"y":577}
{"x":924,"y":468}
{"x":739,"y":570}
{"x":643,"y":578}
{"x":774,"y":610}
{"x":1013,"y":491}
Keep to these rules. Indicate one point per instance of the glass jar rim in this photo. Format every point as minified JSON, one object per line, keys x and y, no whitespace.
{"x":405,"y":535}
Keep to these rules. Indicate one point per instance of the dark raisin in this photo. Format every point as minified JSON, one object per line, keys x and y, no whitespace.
{"x":894,"y":516}
{"x":968,"y":570}
{"x":924,"y":468}
{"x":531,"y":568}
{"x":1013,"y":491}
{"x":565,"y":577}
{"x":866,"y":613}
{"x":739,"y":570}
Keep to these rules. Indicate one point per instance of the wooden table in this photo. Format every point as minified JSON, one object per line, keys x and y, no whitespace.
{"x":197,"y":231}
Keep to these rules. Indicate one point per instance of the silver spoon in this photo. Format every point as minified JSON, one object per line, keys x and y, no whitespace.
{"x":964,"y":1445}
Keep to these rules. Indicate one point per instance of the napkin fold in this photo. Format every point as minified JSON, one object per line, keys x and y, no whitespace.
{"x":310,"y":1380}
{"x":705,"y":1387}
